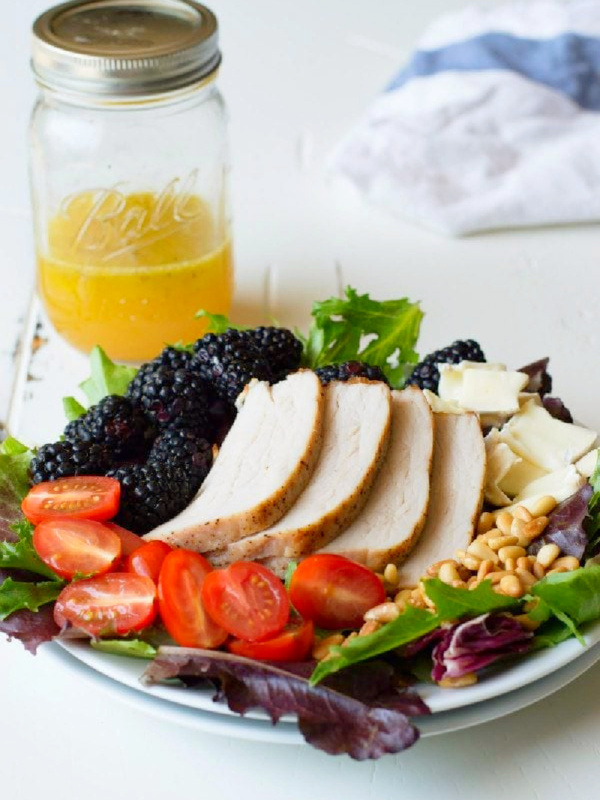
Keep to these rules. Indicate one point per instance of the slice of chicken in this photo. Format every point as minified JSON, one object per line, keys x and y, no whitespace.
{"x":391,"y":521}
{"x":355,"y":436}
{"x":264,"y":463}
{"x":456,"y":493}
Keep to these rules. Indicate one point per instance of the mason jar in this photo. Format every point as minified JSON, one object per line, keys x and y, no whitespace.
{"x":129,"y":174}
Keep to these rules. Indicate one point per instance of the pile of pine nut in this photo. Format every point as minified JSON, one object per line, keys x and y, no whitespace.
{"x":498,"y":553}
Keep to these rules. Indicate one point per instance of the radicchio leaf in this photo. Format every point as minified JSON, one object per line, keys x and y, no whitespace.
{"x":31,"y":628}
{"x":540,"y":380}
{"x":472,"y":645}
{"x":557,"y":409}
{"x":328,"y":719}
{"x":565,"y":526}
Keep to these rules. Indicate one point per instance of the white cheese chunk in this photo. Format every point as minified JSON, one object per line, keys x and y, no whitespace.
{"x":548,"y":443}
{"x":560,"y":484}
{"x":521,"y":473}
{"x":586,"y":465}
{"x":484,"y":388}
{"x":440,"y":406}
{"x":499,"y":461}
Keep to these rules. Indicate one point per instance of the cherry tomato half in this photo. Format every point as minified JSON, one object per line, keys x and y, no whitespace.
{"x":294,"y":643}
{"x":246,"y":599}
{"x":129,"y":541}
{"x":148,"y":559}
{"x":179,"y":588}
{"x":84,"y":496}
{"x":73,"y":547}
{"x":117,"y":603}
{"x":333,"y":591}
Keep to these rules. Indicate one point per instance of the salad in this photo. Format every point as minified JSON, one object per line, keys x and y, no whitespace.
{"x":334,"y":642}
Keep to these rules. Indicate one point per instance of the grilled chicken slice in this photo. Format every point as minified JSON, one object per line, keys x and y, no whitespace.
{"x":455,"y":497}
{"x":355,"y":436}
{"x":265,"y":461}
{"x":391,"y":521}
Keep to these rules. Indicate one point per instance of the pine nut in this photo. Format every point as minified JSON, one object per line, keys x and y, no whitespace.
{"x":513,"y":552}
{"x":517,"y":528}
{"x":493,"y":533}
{"x":390,"y":574}
{"x":502,"y":541}
{"x":458,"y":584}
{"x":523,"y":513}
{"x":543,"y":506}
{"x":524,"y":563}
{"x":384,"y":612}
{"x":472,"y":563}
{"x":486,"y":522}
{"x":427,"y":600}
{"x":369,"y":627}
{"x":448,"y":573}
{"x":568,"y":562}
{"x":504,"y":521}
{"x":434,"y":569}
{"x":417,"y":599}
{"x":485,"y":568}
{"x":322,"y":646}
{"x":526,"y":578}
{"x":526,"y":622}
{"x":457,"y":683}
{"x":533,"y":529}
{"x":496,"y":577}
{"x":481,"y":551}
{"x":556,"y":570}
{"x":547,"y":554}
{"x":349,"y":638}
{"x":511,"y":586}
{"x":539,"y":571}
{"x":402,"y":599}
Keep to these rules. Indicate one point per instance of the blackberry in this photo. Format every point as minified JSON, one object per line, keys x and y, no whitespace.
{"x":63,"y":459}
{"x":426,"y":374}
{"x":350,"y":369}
{"x":174,"y":358}
{"x":171,"y":396}
{"x":228,"y":361}
{"x":151,"y":494}
{"x":115,"y":422}
{"x":280,"y":347}
{"x":182,"y":448}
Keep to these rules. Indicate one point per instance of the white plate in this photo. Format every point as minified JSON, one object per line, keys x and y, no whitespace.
{"x":218,"y":720}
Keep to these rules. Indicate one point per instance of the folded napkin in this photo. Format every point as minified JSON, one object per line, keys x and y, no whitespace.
{"x":494,"y":123}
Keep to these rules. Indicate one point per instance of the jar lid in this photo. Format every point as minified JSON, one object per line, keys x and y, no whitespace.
{"x":125,"y":48}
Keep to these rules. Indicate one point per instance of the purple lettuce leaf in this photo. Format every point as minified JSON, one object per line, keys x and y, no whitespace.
{"x":557,"y":409}
{"x":329,"y":719}
{"x":472,"y":645}
{"x":31,"y":628}
{"x":565,"y":526}
{"x":540,"y":380}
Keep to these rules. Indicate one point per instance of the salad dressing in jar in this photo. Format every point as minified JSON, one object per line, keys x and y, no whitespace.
{"x":129,"y":170}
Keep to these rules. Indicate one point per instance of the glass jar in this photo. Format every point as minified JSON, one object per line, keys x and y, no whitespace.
{"x":129,"y":174}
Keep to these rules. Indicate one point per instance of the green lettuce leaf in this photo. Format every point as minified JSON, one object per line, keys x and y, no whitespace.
{"x":72,"y":408}
{"x":383,"y":333}
{"x":218,"y":323}
{"x":135,"y":648}
{"x":106,"y":378}
{"x":575,"y":595}
{"x":592,"y":521}
{"x":14,"y":484}
{"x":18,"y":595}
{"x":451,"y":605}
{"x":20,"y":554}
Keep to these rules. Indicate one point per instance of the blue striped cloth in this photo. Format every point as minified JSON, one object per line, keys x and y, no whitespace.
{"x":488,"y":126}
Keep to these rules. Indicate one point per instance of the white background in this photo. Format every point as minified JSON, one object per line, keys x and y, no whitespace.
{"x":296,"y":76}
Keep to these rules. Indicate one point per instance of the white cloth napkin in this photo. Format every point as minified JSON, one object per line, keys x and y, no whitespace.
{"x":494,"y":123}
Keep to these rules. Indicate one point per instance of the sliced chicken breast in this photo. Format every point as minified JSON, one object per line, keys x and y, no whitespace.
{"x":391,"y":521}
{"x":455,"y":497}
{"x":355,"y":436}
{"x":264,"y":463}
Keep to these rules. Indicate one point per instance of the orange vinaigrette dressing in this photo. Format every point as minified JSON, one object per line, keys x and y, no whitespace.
{"x":130,"y":271}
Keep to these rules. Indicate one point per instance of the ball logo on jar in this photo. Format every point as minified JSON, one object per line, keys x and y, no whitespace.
{"x":115,"y":223}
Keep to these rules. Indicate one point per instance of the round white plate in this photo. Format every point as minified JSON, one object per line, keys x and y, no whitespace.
{"x":218,"y":720}
{"x":507,"y":678}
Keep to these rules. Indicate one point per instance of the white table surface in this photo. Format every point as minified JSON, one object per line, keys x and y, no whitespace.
{"x":296,"y":76}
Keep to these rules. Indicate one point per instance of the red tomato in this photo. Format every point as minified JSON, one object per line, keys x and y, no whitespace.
{"x":85,"y":496}
{"x":148,"y":559}
{"x":179,"y":587}
{"x":73,"y":547}
{"x":294,"y":643}
{"x":129,"y":541}
{"x":246,"y":599}
{"x":117,"y":603}
{"x":334,"y":592}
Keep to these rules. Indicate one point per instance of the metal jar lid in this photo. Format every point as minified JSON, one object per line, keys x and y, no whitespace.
{"x":125,"y":48}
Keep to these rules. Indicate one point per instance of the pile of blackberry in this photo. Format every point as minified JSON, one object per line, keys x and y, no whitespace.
{"x":426,"y":374}
{"x":157,"y":440}
{"x":349,"y":370}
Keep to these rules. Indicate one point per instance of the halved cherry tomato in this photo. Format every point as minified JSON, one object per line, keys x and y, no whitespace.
{"x":129,"y":541}
{"x":246,"y":599}
{"x":73,"y":547}
{"x":179,"y":587}
{"x":148,"y":559}
{"x":84,"y":496}
{"x":117,"y":603}
{"x":333,"y":591}
{"x":294,"y":643}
